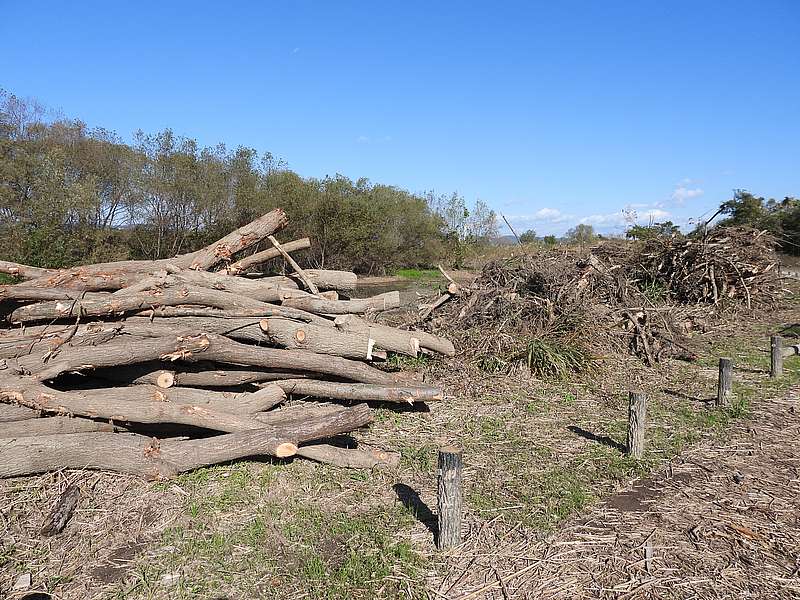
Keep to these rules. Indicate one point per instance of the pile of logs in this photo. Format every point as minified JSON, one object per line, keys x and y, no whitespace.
{"x":158,"y":367}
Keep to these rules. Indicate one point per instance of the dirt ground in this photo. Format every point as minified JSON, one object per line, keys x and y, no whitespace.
{"x":552,"y":507}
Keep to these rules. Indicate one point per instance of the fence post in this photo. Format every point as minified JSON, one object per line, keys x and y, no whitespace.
{"x":449,"y":498}
{"x":725,"y":383}
{"x":776,"y":357}
{"x":637,"y":422}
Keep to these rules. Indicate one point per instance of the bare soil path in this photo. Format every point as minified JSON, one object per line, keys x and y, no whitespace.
{"x":722,"y":521}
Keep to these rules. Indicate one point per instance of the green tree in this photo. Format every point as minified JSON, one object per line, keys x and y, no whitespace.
{"x":646,"y":232}
{"x":581,"y":234}
{"x":528,"y":237}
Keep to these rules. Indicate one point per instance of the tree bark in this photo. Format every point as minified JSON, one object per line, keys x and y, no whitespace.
{"x":322,"y":340}
{"x":153,"y":458}
{"x":236,"y":241}
{"x":62,"y":511}
{"x":315,"y":305}
{"x":350,"y":458}
{"x":11,"y":414}
{"x":203,"y":347}
{"x":51,"y":426}
{"x":22,"y":271}
{"x":200,"y":376}
{"x":637,"y":423}
{"x":449,"y":498}
{"x":396,"y":340}
{"x":259,"y":258}
{"x":118,"y":305}
{"x":361,"y":392}
{"x":310,"y":285}
{"x":135,"y":405}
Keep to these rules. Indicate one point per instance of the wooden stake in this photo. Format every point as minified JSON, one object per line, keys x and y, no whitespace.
{"x":449,"y":498}
{"x":725,"y":384}
{"x":300,"y":273}
{"x":637,"y":423}
{"x":776,"y":357}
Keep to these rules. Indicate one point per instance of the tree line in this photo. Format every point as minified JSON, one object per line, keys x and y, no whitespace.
{"x":71,"y":194}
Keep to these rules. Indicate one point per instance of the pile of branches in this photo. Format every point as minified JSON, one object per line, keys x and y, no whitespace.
{"x":158,"y":367}
{"x":556,"y":310}
{"x":727,"y":266}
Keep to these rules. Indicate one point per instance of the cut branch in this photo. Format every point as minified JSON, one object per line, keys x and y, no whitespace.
{"x":380,"y":302}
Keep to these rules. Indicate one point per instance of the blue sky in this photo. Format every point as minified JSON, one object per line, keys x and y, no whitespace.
{"x":552,"y":112}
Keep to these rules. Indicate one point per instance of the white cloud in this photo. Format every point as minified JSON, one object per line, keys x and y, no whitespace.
{"x":683,"y":192}
{"x":619,"y":219}
{"x":362,"y":139}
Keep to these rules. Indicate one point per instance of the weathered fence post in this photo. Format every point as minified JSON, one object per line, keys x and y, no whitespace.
{"x":725,"y":384}
{"x":449,"y":498}
{"x":776,"y":357}
{"x":637,"y":422}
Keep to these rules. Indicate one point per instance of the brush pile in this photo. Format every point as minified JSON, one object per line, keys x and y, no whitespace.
{"x":159,"y":367}
{"x":552,"y":312}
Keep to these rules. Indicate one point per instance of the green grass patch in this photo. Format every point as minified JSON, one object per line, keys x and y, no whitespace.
{"x":418,"y":274}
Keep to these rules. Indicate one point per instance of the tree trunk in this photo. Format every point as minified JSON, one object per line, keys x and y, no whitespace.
{"x":203,"y":347}
{"x":350,"y":458}
{"x":51,"y":426}
{"x":324,"y":279}
{"x":136,"y":405}
{"x":200,"y":376}
{"x":340,"y":307}
{"x":11,"y":414}
{"x":396,"y":340}
{"x":322,"y":340}
{"x":236,"y":241}
{"x":261,"y":257}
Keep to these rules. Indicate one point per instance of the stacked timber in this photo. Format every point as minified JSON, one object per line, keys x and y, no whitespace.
{"x":158,"y":367}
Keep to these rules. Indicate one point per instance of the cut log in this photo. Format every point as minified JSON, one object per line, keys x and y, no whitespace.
{"x":350,"y":458}
{"x":11,"y":414}
{"x":297,"y":269}
{"x":51,"y":426}
{"x":321,"y":306}
{"x":361,"y":392}
{"x":201,"y":375}
{"x":236,"y":241}
{"x":259,"y":258}
{"x":114,"y":405}
{"x":396,"y":340}
{"x":22,"y":271}
{"x":322,"y":340}
{"x":153,"y":458}
{"x":203,"y":347}
{"x":118,"y":305}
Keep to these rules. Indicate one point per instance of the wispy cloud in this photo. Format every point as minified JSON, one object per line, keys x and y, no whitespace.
{"x":363,"y":139}
{"x":686,"y":189}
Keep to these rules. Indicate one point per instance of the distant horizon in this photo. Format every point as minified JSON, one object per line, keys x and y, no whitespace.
{"x":553,"y":115}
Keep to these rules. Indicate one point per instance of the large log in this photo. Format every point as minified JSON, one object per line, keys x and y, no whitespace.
{"x":117,"y":305}
{"x":119,"y":274}
{"x":203,"y":347}
{"x":117,"y":405}
{"x":316,"y":305}
{"x":322,"y":340}
{"x":236,"y":241}
{"x":155,"y":299}
{"x":10,"y":413}
{"x":22,"y":271}
{"x":153,"y":458}
{"x":396,"y":340}
{"x":51,"y":426}
{"x":361,"y":392}
{"x":259,"y":258}
{"x":200,"y":375}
